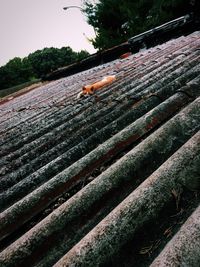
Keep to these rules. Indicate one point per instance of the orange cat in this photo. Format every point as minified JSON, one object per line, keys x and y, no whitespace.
{"x":91,"y":88}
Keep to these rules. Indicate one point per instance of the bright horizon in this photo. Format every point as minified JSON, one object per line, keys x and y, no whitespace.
{"x":27,"y":26}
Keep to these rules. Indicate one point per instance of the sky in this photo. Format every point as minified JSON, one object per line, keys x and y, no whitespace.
{"x":29,"y":25}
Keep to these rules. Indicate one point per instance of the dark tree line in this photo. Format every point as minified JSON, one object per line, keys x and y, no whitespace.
{"x":117,"y":20}
{"x":37,"y":65}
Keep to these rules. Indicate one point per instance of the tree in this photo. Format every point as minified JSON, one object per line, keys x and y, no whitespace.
{"x":81,"y":55}
{"x":43,"y":61}
{"x":37,"y":65}
{"x":108,"y":18}
{"x":49,"y":59}
{"x":16,"y":71}
{"x":117,"y":20}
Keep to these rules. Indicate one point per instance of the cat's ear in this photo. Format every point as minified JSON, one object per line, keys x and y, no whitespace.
{"x":92,"y":89}
{"x":84,"y":89}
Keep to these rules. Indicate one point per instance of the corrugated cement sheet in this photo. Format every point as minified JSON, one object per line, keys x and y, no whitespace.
{"x":111,"y":179}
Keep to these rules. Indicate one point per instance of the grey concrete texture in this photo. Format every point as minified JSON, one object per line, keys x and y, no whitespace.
{"x":84,"y":199}
{"x":184,"y":248}
{"x":139,"y":207}
{"x":80,"y":177}
{"x":57,"y":165}
{"x":161,"y":112}
{"x":141,"y":71}
{"x":183,"y":125}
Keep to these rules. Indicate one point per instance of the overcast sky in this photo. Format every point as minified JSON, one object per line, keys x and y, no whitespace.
{"x":29,"y":25}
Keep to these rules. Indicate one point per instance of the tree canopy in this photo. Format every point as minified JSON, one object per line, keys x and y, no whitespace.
{"x":116,"y":20}
{"x":37,"y":65}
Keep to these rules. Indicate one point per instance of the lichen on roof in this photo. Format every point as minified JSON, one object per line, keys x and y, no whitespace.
{"x":111,"y":179}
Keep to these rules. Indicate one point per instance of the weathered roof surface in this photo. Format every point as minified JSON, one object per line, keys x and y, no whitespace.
{"x":110,"y":179}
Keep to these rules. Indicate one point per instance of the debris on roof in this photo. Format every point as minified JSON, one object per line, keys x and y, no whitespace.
{"x":111,"y":180}
{"x":125,"y":55}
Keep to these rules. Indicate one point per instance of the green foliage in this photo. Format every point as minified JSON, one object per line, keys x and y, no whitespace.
{"x":49,"y":59}
{"x":37,"y":65}
{"x":106,"y":17}
{"x":81,"y":55}
{"x":16,"y":71}
{"x":116,"y":20}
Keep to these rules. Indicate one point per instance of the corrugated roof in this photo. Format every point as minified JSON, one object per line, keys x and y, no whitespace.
{"x":109,"y":179}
